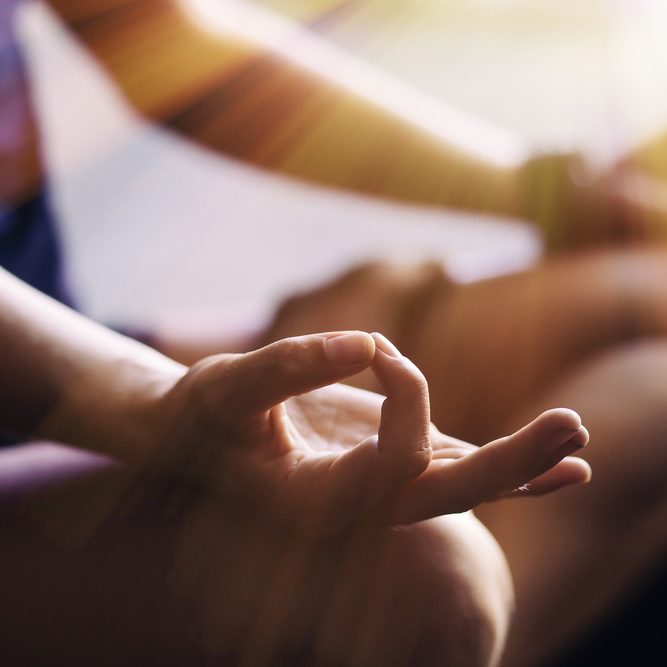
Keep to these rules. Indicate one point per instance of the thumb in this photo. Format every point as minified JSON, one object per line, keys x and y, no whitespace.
{"x":259,"y":380}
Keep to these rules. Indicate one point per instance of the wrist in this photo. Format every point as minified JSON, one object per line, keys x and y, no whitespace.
{"x":114,"y":407}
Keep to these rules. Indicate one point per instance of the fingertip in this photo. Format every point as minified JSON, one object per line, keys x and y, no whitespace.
{"x":570,"y":471}
{"x":395,"y":371}
{"x":383,"y":344}
{"x":350,"y":348}
{"x":573,"y":471}
{"x":584,"y":469}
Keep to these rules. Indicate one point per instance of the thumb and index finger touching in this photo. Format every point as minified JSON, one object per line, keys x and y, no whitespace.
{"x":294,"y":366}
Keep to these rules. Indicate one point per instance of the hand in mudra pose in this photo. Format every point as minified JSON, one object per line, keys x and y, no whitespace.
{"x":318,"y":481}
{"x":322,"y":460}
{"x":297,"y":543}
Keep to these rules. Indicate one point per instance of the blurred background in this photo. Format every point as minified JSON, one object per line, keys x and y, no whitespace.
{"x":162,"y":233}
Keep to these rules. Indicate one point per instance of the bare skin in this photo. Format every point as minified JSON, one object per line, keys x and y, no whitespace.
{"x":588,"y":332}
{"x":503,"y":373}
{"x":215,"y":85}
{"x":172,"y":581}
{"x":595,"y":547}
{"x":544,"y":321}
{"x":279,"y":513}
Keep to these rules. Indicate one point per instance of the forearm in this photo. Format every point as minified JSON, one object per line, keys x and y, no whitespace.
{"x":68,"y":379}
{"x":285,"y":100}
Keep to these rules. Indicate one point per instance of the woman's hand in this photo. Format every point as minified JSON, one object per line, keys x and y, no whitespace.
{"x":261,"y":429}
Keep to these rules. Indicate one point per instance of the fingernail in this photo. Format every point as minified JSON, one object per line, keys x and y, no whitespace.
{"x":386,"y":346}
{"x":348,"y":349}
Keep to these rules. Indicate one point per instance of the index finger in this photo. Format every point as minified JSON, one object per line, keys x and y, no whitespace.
{"x":404,"y":434}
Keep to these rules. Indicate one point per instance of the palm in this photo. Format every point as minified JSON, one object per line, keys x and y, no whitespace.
{"x":335,"y":417}
{"x":324,"y":490}
{"x":317,"y":457}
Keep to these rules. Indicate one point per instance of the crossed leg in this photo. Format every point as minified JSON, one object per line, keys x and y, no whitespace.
{"x":91,"y":571}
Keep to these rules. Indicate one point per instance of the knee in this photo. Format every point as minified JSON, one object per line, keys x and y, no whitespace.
{"x":467,"y":593}
{"x":439,"y":594}
{"x":622,"y":395}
